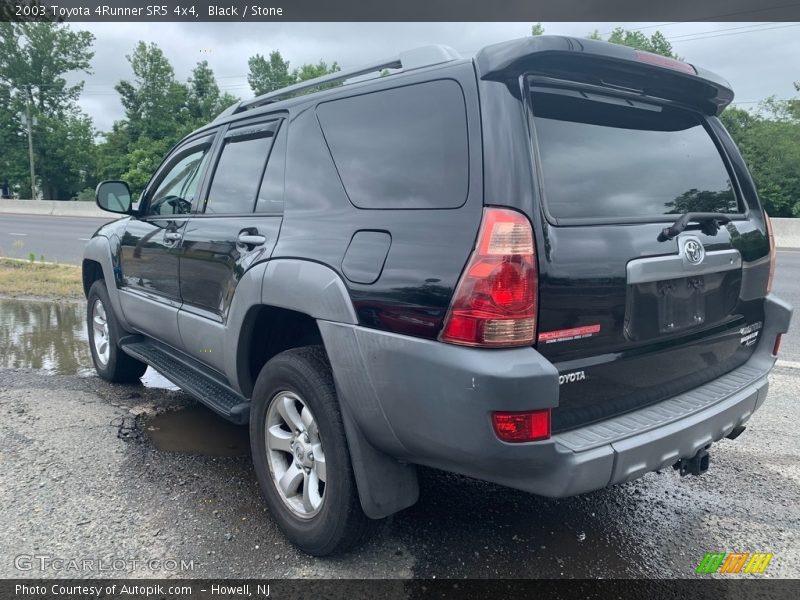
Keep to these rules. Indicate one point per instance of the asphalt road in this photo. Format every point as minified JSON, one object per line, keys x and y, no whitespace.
{"x":57,"y":239}
{"x":89,"y":473}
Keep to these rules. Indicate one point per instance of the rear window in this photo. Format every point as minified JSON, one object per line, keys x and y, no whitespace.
{"x":401,"y":148}
{"x":607,"y":158}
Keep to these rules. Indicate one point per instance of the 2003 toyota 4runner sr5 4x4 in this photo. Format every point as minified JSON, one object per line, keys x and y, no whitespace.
{"x":545,"y":266}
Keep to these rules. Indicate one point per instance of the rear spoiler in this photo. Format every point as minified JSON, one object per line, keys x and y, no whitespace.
{"x":608,"y":65}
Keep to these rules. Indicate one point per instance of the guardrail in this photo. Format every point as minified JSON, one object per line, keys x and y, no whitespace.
{"x":53,"y":207}
{"x":787,"y":231}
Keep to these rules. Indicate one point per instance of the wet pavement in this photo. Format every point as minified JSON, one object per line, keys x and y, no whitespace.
{"x":143,"y":473}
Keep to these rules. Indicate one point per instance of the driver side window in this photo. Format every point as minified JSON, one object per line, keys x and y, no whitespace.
{"x":177,"y":188}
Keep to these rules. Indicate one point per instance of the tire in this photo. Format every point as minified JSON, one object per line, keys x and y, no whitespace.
{"x":302,"y":378}
{"x":111,"y":363}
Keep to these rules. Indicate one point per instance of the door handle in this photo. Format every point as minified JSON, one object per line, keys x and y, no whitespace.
{"x":251,"y":239}
{"x":172,"y":236}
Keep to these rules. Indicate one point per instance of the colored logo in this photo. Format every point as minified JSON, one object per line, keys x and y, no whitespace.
{"x":734,"y":562}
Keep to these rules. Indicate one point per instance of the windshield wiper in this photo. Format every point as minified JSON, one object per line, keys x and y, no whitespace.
{"x":709,"y":224}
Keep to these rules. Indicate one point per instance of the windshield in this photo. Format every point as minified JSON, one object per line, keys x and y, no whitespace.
{"x":605,"y":158}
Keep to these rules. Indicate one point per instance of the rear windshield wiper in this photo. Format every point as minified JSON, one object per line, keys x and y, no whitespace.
{"x":709,"y":224}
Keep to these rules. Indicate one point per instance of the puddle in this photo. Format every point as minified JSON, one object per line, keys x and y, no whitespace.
{"x":51,"y":337}
{"x":197,"y":430}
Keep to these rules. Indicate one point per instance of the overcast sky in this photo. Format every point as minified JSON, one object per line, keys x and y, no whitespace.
{"x":759,"y":59}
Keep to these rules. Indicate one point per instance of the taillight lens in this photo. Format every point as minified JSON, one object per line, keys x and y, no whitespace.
{"x":495,"y":301}
{"x":777,"y":346}
{"x":772,"y":252}
{"x":526,"y":426}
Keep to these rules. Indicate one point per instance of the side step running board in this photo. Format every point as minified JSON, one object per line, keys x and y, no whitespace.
{"x":189,"y":377}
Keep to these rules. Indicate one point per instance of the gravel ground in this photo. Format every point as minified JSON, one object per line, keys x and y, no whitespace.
{"x":90,"y":470}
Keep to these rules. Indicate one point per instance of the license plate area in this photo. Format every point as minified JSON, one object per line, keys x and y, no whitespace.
{"x":681,"y":303}
{"x":660,"y":308}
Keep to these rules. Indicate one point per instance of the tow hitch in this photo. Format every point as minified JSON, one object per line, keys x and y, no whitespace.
{"x":697,"y":465}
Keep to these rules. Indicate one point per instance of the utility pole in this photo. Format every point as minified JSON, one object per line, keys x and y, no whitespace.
{"x":29,"y":123}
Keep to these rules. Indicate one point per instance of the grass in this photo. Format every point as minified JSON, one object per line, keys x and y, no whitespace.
{"x":46,"y":280}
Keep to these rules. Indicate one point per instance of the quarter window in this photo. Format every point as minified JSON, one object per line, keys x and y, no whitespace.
{"x":404,"y":147}
{"x":270,"y":194}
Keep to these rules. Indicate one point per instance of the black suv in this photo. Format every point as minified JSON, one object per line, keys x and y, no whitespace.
{"x":545,"y":266}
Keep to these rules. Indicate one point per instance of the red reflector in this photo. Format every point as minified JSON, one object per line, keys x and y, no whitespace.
{"x":777,"y":345}
{"x":526,"y":426}
{"x":665,"y":62}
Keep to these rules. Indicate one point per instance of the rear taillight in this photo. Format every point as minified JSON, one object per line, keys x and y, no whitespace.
{"x":777,"y":347}
{"x":495,"y":301}
{"x":772,"y":252}
{"x":526,"y":426}
{"x":665,"y":62}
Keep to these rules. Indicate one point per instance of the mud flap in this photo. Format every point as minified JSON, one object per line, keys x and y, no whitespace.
{"x":385,"y":486}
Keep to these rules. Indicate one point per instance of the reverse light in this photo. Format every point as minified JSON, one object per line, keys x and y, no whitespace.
{"x":495,"y":301}
{"x":772,"y":252}
{"x":665,"y":62}
{"x":516,"y":427}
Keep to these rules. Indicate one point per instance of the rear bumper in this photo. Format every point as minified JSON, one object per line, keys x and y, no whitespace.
{"x":430,"y":403}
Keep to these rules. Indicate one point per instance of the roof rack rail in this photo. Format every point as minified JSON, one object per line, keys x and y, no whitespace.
{"x":424,"y":56}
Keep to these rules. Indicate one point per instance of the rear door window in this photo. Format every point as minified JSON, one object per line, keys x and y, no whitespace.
{"x":238,"y":174}
{"x":403,"y":147}
{"x":606,"y":159}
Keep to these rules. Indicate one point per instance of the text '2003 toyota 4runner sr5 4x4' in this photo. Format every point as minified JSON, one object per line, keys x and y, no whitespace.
{"x":545,"y":267}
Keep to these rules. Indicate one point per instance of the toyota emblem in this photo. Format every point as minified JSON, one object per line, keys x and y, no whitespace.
{"x":694,"y":252}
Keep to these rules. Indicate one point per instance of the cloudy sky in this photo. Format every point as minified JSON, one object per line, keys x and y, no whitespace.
{"x":759,"y":59}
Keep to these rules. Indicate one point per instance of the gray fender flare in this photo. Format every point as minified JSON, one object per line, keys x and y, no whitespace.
{"x":103,"y":250}
{"x":385,"y":485}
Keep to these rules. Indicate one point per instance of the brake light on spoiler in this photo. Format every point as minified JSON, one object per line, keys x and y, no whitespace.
{"x":665,"y":62}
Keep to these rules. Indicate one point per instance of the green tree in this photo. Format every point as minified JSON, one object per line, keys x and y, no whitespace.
{"x":794,"y":104}
{"x":159,"y":111}
{"x":204,"y":98}
{"x":34,"y":58}
{"x":656,"y":43}
{"x":13,"y":158}
{"x":268,"y":75}
{"x":155,"y":101}
{"x":309,"y":71}
{"x":768,"y":140}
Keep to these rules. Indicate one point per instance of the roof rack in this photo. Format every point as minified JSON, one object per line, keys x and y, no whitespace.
{"x":424,"y":56}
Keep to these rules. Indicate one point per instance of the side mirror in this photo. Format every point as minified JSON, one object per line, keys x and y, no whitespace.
{"x":113,"y":196}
